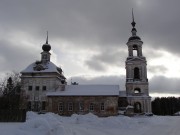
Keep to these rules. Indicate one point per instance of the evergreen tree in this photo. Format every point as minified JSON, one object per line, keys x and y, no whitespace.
{"x":165,"y":105}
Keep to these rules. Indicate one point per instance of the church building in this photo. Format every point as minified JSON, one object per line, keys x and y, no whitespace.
{"x":47,"y":90}
{"x":39,"y":78}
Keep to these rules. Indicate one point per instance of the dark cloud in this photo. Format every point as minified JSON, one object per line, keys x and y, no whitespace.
{"x":150,"y":53}
{"x":107,"y":57}
{"x":161,"y":84}
{"x":97,"y":21}
{"x":76,"y":20}
{"x":15,"y":56}
{"x":95,"y":65}
{"x":157,"y":69}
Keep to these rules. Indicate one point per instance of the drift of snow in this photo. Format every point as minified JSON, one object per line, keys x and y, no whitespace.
{"x":53,"y":124}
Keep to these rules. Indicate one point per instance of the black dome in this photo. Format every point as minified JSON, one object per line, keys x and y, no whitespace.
{"x":46,"y":47}
{"x":134,"y":38}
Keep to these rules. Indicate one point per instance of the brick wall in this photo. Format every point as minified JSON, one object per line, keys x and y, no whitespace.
{"x":110,"y":105}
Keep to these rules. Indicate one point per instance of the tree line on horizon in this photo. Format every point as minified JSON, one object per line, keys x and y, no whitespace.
{"x":165,"y":105}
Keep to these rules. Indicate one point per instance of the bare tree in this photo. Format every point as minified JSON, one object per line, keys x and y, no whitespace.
{"x":14,"y":79}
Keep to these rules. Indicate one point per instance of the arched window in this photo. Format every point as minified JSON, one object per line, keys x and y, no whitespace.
{"x":137,"y":107}
{"x":136,"y":73}
{"x":137,"y":90}
{"x":135,"y":50}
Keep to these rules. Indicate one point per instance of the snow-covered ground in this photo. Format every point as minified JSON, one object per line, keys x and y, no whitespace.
{"x":52,"y":124}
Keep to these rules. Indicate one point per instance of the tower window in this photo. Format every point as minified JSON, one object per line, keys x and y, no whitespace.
{"x":44,"y":88}
{"x":135,"y":50}
{"x":37,"y":88}
{"x":44,"y":56}
{"x":136,"y":73}
{"x":30,"y":88}
{"x":137,"y":90}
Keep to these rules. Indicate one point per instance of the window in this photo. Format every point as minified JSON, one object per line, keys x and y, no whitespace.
{"x":43,"y":105}
{"x":37,"y":88}
{"x":135,"y":50}
{"x":60,"y":106}
{"x":36,"y":106}
{"x":137,"y":90}
{"x":136,"y":73}
{"x":44,"y":88}
{"x":81,"y":106}
{"x":70,"y":106}
{"x":102,"y":107}
{"x":44,"y":56}
{"x":30,"y":88}
{"x":91,"y":107}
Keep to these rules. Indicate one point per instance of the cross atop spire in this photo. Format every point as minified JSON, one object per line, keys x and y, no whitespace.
{"x":47,"y":38}
{"x":133,"y":22}
{"x":133,"y":25}
{"x":46,"y":47}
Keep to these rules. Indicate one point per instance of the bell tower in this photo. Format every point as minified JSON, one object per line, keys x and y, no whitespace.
{"x":137,"y":90}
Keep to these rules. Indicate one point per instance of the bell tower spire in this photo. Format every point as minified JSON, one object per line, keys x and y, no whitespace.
{"x":133,"y":25}
{"x":133,"y":22}
{"x":47,"y":38}
{"x":134,"y":43}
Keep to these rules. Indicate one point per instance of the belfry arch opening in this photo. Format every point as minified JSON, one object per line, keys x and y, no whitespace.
{"x":136,"y":73}
{"x":135,"y":50}
{"x":137,"y":90}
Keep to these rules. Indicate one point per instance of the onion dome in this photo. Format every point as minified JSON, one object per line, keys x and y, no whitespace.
{"x":46,"y":47}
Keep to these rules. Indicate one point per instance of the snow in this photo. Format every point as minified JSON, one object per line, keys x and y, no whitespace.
{"x":122,"y":94}
{"x":86,"y":90}
{"x":53,"y":124}
{"x":49,"y":67}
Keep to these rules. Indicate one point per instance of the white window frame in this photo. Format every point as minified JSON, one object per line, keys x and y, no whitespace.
{"x":91,"y":107}
{"x":70,"y":106}
{"x":81,"y":106}
{"x":60,"y":106}
{"x":102,"y":106}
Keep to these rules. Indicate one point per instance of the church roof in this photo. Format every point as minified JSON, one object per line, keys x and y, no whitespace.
{"x":86,"y":90}
{"x":38,"y":67}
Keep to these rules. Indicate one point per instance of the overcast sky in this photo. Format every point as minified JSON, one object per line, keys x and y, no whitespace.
{"x":88,"y":38}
